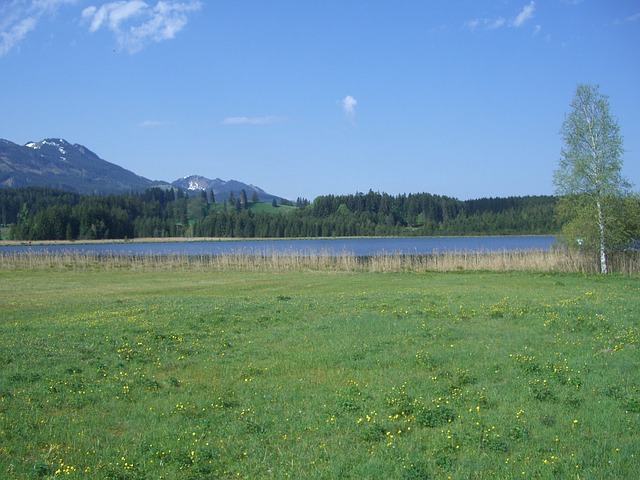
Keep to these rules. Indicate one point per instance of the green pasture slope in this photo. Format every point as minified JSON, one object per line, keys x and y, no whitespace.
{"x":189,"y":374}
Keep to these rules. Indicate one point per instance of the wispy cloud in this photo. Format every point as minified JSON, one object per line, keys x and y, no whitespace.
{"x":19,"y":17}
{"x":12,"y":35}
{"x":265,"y":120}
{"x":136,"y":24}
{"x":497,"y":23}
{"x":349,"y":106}
{"x":518,"y":21}
{"x":152,"y":123}
{"x":524,"y":15}
{"x":630,"y":19}
{"x":473,"y":24}
{"x":487,"y":23}
{"x":634,"y":18}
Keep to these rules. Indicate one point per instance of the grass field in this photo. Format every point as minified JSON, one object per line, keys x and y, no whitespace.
{"x":188,"y":373}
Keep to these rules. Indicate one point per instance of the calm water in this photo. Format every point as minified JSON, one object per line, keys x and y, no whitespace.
{"x":337,"y":246}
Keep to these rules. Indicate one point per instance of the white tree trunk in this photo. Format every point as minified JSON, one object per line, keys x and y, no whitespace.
{"x":603,"y":251}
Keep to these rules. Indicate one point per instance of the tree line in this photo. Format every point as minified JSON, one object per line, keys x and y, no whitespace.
{"x":41,"y":213}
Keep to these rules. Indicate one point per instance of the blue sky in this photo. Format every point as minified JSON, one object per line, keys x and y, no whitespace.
{"x":306,"y":98}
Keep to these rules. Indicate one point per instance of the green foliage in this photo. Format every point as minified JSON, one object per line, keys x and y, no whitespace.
{"x":45,"y":214}
{"x":580,"y":229}
{"x":111,"y":373}
{"x":589,"y":175}
{"x":380,"y":214}
{"x":591,"y":160}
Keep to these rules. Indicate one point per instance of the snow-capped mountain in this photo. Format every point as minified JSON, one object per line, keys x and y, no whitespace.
{"x":54,"y":162}
{"x":221,"y":188}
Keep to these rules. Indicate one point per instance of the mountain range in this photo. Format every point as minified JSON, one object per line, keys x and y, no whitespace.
{"x":56,"y":163}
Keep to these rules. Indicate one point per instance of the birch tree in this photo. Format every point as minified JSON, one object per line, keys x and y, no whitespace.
{"x":589,"y":175}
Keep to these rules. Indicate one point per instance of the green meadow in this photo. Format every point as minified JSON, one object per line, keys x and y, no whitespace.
{"x":179,"y":373}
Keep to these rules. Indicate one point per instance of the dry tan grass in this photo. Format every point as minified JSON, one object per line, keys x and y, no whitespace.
{"x":529,"y":260}
{"x":132,"y":240}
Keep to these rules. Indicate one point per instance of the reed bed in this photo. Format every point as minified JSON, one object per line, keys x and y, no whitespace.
{"x":557,"y":260}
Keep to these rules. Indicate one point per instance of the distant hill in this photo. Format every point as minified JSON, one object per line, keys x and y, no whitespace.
{"x":221,"y":188}
{"x":56,"y":163}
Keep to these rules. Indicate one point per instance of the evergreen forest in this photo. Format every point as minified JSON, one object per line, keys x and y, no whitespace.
{"x":42,"y":213}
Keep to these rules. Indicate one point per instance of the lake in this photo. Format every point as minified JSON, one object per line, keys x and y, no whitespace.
{"x":325,"y":246}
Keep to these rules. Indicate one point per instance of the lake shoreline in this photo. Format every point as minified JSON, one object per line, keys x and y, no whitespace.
{"x":145,"y":240}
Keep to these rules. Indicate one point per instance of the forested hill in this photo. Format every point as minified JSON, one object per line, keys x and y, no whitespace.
{"x":39,"y":213}
{"x":426,"y":214}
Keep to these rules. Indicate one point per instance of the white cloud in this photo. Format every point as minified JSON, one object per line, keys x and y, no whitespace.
{"x":488,"y":23}
{"x":47,"y":6}
{"x":630,"y":19}
{"x":14,"y":34}
{"x":152,"y":123}
{"x":497,"y":23}
{"x":112,"y":14}
{"x":524,"y":15}
{"x":19,"y":17}
{"x":135,"y":24}
{"x":349,"y":106}
{"x":266,"y":120}
{"x":634,"y":18}
{"x":473,"y":24}
{"x":494,"y":23}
